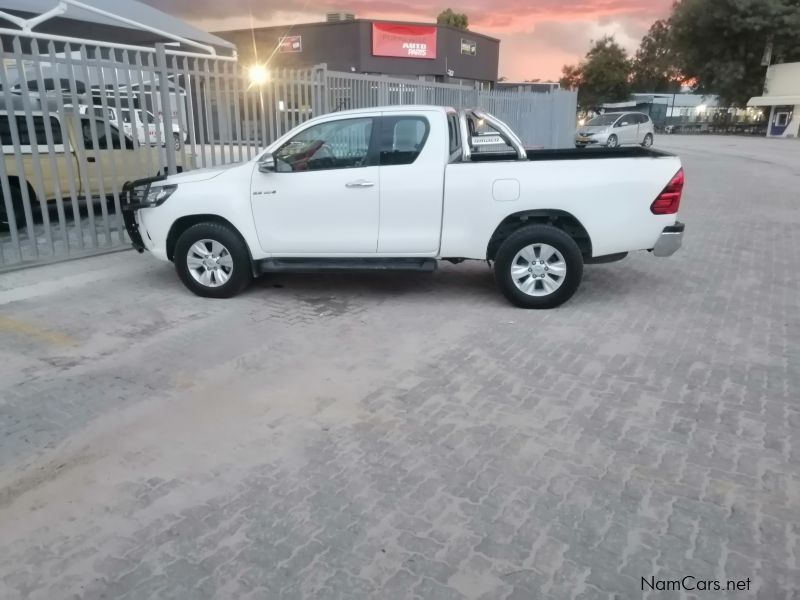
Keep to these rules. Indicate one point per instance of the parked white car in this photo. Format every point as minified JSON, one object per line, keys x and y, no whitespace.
{"x":145,"y":122}
{"x":399,"y":188}
{"x":616,"y":129}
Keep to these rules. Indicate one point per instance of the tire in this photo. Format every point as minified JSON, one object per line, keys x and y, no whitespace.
{"x":613,"y":141}
{"x":648,"y":140}
{"x":530,"y":241}
{"x":227,"y":277}
{"x":176,"y":139}
{"x":17,"y":205}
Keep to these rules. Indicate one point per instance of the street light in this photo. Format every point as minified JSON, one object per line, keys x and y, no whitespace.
{"x":259,"y":75}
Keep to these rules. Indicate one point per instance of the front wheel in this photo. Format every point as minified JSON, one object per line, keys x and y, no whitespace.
{"x":538,"y":266}
{"x":212,"y":260}
{"x":648,"y":140}
{"x":613,"y":141}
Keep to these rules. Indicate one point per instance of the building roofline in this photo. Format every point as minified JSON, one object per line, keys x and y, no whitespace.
{"x":289,"y":27}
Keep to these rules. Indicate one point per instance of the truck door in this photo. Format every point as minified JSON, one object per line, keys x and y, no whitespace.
{"x":412,"y":180}
{"x":323,"y":196}
{"x":108,"y":159}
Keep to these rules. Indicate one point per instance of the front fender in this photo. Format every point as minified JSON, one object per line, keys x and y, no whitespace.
{"x":226,"y":196}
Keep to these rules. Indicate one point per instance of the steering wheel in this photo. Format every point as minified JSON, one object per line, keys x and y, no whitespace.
{"x":324,"y":151}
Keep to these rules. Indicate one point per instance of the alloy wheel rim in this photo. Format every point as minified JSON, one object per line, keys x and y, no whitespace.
{"x":612,"y":142}
{"x":538,"y":270}
{"x":210,"y":263}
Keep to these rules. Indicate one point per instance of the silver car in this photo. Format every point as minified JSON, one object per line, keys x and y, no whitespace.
{"x":616,"y":129}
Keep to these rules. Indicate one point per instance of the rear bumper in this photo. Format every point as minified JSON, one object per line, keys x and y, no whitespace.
{"x":670,"y":240}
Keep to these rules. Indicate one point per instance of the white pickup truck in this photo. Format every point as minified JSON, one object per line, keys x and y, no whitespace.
{"x":399,"y":188}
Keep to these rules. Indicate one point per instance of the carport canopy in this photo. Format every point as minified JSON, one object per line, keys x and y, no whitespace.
{"x":121,"y":21}
{"x":774,"y":101}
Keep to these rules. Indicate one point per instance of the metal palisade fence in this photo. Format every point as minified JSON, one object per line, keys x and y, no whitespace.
{"x":544,"y":120}
{"x":78,"y":120}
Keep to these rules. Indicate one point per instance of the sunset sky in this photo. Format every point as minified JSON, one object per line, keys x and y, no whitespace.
{"x":538,"y":36}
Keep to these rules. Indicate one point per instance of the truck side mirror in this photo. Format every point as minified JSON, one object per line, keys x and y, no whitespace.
{"x":267,"y":163}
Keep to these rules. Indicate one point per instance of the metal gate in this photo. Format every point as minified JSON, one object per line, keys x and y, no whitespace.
{"x":79,"y":119}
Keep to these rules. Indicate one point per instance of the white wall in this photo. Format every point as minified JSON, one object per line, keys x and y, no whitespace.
{"x":783,"y":80}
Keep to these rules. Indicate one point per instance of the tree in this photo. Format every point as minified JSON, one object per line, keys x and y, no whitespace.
{"x":719,"y":44}
{"x":571,"y":77}
{"x":654,"y":67}
{"x":602,"y":76}
{"x":454,"y":19}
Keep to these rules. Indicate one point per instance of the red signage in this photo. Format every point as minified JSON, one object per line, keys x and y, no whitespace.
{"x":290,"y":43}
{"x":403,"y":41}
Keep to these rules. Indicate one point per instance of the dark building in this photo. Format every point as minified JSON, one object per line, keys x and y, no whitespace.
{"x":410,"y":50}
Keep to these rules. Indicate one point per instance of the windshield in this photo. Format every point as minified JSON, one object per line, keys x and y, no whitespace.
{"x":606,"y":119}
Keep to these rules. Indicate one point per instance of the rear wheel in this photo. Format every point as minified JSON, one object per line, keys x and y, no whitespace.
{"x":613,"y":141}
{"x":648,"y":140}
{"x":16,"y":204}
{"x":538,"y":266}
{"x":212,"y":260}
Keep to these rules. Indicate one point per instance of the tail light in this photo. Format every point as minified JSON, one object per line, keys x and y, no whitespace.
{"x":669,"y":200}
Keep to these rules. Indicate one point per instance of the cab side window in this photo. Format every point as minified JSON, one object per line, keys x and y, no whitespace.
{"x":39,"y":137}
{"x":453,"y":133}
{"x":342,"y":144}
{"x":402,"y":139}
{"x":103,"y":142}
{"x":107,"y":114}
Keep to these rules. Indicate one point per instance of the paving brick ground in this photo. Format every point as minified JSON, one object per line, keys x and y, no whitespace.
{"x":386,"y":436}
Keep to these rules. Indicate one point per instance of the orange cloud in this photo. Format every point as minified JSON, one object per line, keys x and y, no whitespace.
{"x":537,"y":36}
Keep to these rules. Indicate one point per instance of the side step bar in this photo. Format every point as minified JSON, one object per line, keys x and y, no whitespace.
{"x":603,"y":260}
{"x":317,"y":265}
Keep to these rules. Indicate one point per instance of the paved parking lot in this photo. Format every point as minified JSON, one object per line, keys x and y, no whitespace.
{"x":392,"y":436}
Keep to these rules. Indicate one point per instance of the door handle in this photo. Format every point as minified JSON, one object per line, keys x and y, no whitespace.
{"x":360,"y":183}
{"x":91,"y":159}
